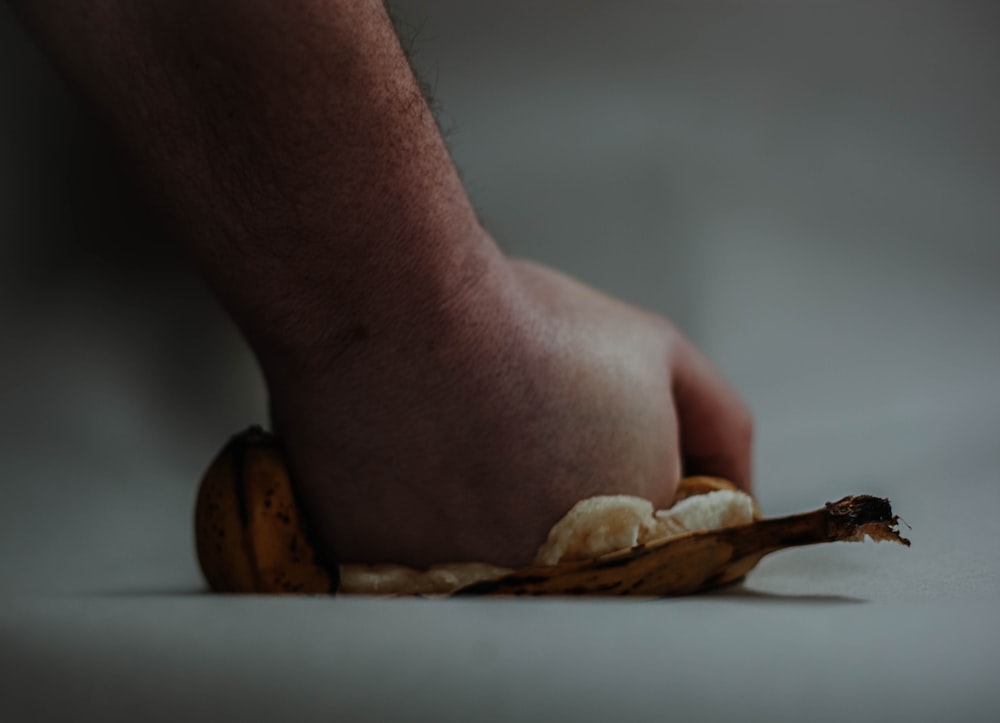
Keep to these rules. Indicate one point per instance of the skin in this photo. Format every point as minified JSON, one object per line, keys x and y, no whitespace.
{"x":438,"y":401}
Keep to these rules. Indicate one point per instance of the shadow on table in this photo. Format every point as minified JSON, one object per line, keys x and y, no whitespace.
{"x":735,"y":591}
{"x":178,"y":591}
{"x":741,"y":591}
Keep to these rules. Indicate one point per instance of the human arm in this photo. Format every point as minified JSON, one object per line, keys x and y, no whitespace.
{"x":438,"y":401}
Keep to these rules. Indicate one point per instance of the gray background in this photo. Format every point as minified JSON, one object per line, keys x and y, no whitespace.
{"x":809,"y":189}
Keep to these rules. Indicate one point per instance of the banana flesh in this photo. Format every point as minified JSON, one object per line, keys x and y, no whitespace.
{"x":251,"y":537}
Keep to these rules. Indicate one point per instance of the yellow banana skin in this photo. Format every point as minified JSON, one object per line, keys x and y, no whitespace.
{"x":251,"y":537}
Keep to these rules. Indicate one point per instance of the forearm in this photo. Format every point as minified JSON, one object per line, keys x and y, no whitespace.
{"x":290,"y":145}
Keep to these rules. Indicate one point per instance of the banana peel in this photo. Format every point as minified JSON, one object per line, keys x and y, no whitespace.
{"x":250,"y":534}
{"x":702,"y":560}
{"x":251,"y":537}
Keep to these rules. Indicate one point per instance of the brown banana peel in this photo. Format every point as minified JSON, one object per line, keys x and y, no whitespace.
{"x":701,"y":560}
{"x":251,"y":537}
{"x":250,"y":534}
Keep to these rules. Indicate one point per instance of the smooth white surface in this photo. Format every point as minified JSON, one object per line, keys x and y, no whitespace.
{"x":696,"y":659}
{"x":810,"y":190}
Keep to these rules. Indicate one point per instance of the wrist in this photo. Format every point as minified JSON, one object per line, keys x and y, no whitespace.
{"x":406,"y":313}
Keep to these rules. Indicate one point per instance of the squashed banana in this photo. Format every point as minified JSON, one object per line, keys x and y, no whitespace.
{"x":252,"y":538}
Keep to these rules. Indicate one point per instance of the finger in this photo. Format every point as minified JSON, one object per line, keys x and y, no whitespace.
{"x":716,"y":428}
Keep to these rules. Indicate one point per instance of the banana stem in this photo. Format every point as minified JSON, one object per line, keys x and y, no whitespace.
{"x":848,"y":520}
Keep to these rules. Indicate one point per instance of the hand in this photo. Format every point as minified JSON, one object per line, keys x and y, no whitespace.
{"x":468,"y":440}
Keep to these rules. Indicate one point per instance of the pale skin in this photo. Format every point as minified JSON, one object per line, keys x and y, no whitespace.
{"x":438,"y":401}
